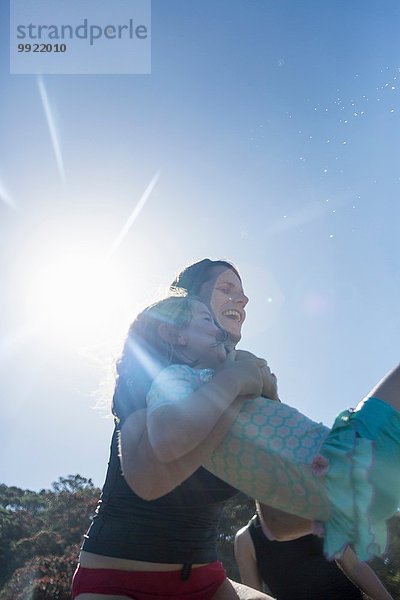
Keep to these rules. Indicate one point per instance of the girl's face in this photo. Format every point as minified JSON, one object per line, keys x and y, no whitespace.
{"x":200,"y":341}
{"x":225,"y":296}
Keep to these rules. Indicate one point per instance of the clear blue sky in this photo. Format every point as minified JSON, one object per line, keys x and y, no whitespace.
{"x":274,"y":127}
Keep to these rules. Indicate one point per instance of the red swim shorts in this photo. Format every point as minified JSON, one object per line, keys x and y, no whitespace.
{"x":149,"y":585}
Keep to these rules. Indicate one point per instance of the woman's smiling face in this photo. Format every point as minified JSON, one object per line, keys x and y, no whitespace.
{"x":225,"y":296}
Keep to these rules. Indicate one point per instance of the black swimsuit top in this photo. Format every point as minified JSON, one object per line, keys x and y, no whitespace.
{"x":298,"y":570}
{"x":180,"y":527}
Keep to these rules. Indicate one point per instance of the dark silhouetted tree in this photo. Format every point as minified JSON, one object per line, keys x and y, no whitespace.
{"x":40,"y":535}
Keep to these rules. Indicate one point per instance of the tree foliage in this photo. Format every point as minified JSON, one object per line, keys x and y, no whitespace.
{"x":237,"y":512}
{"x":40,"y":535}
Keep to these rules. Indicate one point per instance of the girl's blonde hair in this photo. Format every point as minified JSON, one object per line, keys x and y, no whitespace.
{"x":146,"y":353}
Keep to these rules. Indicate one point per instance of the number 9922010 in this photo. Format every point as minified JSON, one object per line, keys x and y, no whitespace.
{"x":42,"y":47}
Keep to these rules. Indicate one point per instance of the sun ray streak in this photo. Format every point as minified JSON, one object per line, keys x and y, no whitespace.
{"x":135,"y":213}
{"x":6,"y":198}
{"x":52,"y":127}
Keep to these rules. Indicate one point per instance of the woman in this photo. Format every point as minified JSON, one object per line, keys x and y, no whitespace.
{"x":165,"y":548}
{"x":271,"y":452}
{"x":123,"y":393}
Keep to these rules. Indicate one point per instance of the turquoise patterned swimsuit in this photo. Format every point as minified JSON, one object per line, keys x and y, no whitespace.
{"x":347,"y":478}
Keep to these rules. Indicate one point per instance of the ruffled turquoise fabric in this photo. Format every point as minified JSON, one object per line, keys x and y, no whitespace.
{"x":362,"y":478}
{"x":347,"y":477}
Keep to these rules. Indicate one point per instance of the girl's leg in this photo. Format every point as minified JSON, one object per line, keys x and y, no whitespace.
{"x":283,"y":526}
{"x":388,"y":389}
{"x":269,"y":454}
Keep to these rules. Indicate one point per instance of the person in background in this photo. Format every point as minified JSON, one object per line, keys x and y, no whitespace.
{"x":297,"y":569}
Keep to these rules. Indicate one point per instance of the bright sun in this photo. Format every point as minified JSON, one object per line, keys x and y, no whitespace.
{"x":74,"y":296}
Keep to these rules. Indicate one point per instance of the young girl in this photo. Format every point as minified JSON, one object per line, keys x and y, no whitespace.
{"x":347,"y":477}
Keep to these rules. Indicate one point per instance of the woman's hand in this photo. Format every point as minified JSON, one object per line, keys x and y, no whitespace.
{"x":247,"y":370}
{"x":270,"y":384}
{"x":269,"y":387}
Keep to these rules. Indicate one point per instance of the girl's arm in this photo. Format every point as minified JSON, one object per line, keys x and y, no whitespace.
{"x":361,"y":574}
{"x":185,"y":418}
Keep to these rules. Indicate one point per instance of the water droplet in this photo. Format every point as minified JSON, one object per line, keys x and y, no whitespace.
{"x":325,"y":170}
{"x":269,"y":300}
{"x":334,"y":211}
{"x":331,"y":236}
{"x":281,"y":62}
{"x":392,"y":111}
{"x":344,"y":143}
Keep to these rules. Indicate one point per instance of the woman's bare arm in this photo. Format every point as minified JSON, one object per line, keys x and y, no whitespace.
{"x":151,"y":478}
{"x":181,"y":423}
{"x":245,"y":556}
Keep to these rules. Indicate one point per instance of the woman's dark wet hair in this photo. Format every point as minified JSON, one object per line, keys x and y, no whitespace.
{"x":194,"y":276}
{"x":146,"y":353}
